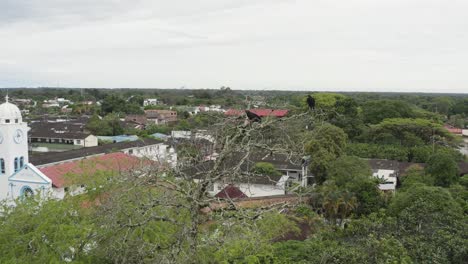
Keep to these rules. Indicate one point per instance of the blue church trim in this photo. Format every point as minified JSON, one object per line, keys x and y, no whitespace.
{"x":45,"y":181}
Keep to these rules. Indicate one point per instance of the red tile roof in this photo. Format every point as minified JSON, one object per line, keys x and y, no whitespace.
{"x":234,"y":112}
{"x":231,"y":192}
{"x":259,"y":112}
{"x":109,"y":162}
{"x":453,"y":130}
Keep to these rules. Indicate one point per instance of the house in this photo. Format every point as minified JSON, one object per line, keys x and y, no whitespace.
{"x":66,"y":109}
{"x":178,"y":134}
{"x":231,"y":192}
{"x":20,"y":178}
{"x":291,"y":175}
{"x":260,"y":112}
{"x":61,"y":174}
{"x":78,"y":139}
{"x":138,"y":119}
{"x":50,"y":104}
{"x":23,"y":102}
{"x":388,"y":171}
{"x":63,"y":133}
{"x":146,"y":148}
{"x":161,"y":116}
{"x":135,"y":121}
{"x":151,"y":101}
{"x":256,"y":186}
{"x":453,"y":130}
{"x":62,"y":101}
{"x":211,"y":108}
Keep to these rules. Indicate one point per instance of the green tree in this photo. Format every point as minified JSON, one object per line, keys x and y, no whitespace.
{"x":94,"y":125}
{"x":460,"y":107}
{"x":408,"y":132}
{"x":443,"y":168}
{"x":442,"y":104}
{"x":464,"y":180}
{"x":116,"y":104}
{"x":376,"y":111}
{"x":45,"y":232}
{"x":347,"y":169}
{"x":415,"y":175}
{"x":266,"y":168}
{"x":431,"y":224}
{"x":354,"y":175}
{"x":113,"y":103}
{"x":327,"y":143}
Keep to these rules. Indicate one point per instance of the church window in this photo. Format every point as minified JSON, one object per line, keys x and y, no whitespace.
{"x":2,"y":166}
{"x":16,"y":121}
{"x":16,"y":164}
{"x":7,"y":121}
{"x":27,"y":192}
{"x":21,"y":162}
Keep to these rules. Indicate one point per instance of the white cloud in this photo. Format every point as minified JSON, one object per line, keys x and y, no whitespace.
{"x":410,"y":45}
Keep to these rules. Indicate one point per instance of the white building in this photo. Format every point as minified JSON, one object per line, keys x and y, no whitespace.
{"x":255,"y":187}
{"x":18,"y":177}
{"x":465,"y":132}
{"x":389,"y":179}
{"x":387,"y":171}
{"x":177,"y":134}
{"x":151,"y":101}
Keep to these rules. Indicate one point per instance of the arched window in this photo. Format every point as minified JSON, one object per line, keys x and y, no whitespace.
{"x":21,"y":162}
{"x":26,"y":192}
{"x":16,"y":164}
{"x":2,"y":166}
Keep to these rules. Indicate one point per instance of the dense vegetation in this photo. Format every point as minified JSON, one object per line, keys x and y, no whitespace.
{"x":343,"y":218}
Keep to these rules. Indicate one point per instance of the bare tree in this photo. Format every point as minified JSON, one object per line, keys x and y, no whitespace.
{"x":177,"y":200}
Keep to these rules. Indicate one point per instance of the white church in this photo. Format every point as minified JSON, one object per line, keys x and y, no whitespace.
{"x":18,"y":177}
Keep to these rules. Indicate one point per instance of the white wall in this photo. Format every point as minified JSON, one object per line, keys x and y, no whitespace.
{"x":15,"y":189}
{"x":259,"y":190}
{"x":9,"y":149}
{"x":252,"y":190}
{"x":27,"y":177}
{"x":465,"y":132}
{"x":147,"y":102}
{"x":181,"y":134}
{"x":90,"y":141}
{"x":158,"y":152}
{"x":389,"y":177}
{"x":59,"y":193}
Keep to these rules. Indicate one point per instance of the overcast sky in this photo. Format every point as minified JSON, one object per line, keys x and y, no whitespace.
{"x":347,"y":45}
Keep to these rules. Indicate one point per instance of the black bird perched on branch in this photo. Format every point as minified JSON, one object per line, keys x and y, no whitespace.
{"x":311,"y":102}
{"x":253,"y":117}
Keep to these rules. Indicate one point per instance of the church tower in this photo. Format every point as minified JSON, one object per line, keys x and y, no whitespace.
{"x":13,"y":144}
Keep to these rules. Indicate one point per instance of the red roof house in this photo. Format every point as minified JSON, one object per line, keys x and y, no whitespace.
{"x":230,"y":192}
{"x":453,"y":130}
{"x":115,"y":162}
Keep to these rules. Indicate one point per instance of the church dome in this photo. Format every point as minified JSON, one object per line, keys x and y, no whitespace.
{"x":9,"y":113}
